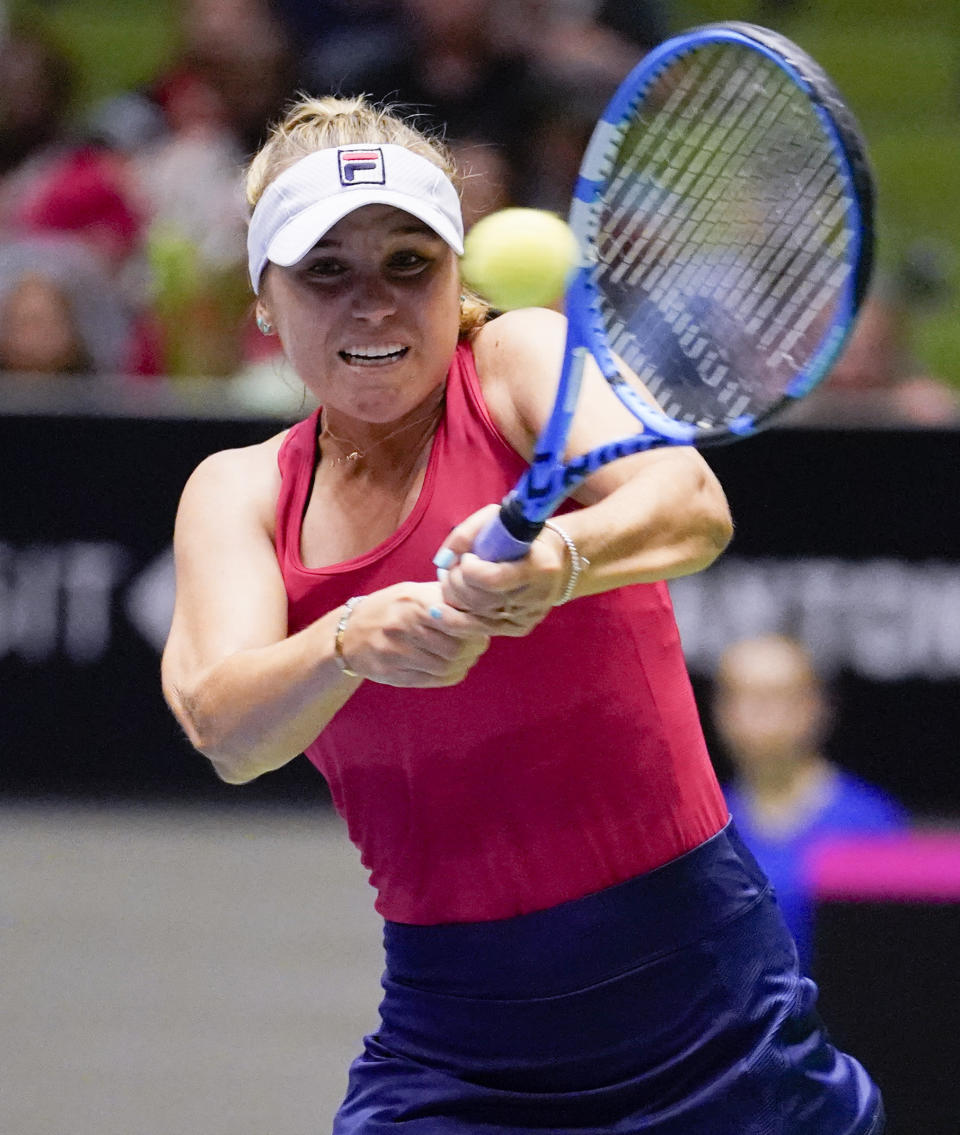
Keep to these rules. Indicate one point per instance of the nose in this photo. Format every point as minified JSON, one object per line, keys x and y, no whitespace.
{"x":374,"y":298}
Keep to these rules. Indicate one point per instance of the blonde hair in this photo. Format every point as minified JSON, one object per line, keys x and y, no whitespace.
{"x":313,"y":124}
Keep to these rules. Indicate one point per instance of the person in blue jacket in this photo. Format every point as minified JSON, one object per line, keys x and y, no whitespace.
{"x":772,"y":714}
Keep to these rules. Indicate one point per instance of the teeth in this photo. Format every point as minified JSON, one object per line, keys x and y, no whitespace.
{"x":374,"y":352}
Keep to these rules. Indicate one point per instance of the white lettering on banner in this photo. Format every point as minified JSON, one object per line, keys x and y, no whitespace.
{"x":91,"y":575}
{"x":57,"y":599}
{"x":149,"y":602}
{"x":886,"y":620}
{"x":30,"y":583}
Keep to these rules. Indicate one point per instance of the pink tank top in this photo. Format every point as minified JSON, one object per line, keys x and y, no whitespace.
{"x":565,"y":762}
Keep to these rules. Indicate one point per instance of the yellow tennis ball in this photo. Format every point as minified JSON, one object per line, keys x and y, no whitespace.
{"x":519,"y":258}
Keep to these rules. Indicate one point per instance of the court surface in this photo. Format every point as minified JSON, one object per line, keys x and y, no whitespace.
{"x":180,"y":971}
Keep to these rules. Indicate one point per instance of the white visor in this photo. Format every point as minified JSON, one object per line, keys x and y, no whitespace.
{"x":309,"y":197}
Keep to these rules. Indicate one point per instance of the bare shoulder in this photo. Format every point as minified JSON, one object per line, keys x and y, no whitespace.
{"x":517,"y":340}
{"x":518,"y":357}
{"x":245,"y":479}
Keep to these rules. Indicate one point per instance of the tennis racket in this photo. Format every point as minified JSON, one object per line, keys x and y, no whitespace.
{"x":724,"y":212}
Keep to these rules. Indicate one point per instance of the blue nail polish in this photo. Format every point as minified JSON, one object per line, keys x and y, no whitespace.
{"x":445,"y":558}
{"x":435,"y":613}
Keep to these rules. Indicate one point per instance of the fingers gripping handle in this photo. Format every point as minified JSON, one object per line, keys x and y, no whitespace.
{"x":497,"y":544}
{"x":509,"y":535}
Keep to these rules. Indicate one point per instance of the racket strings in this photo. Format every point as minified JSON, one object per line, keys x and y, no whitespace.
{"x":671,"y":230}
{"x":762,"y":279}
{"x":704,"y":150}
{"x":723,"y":248}
{"x":777,"y":287}
{"x":680,"y":330}
{"x":724,"y":278}
{"x":655,"y":199}
{"x":714,"y":162}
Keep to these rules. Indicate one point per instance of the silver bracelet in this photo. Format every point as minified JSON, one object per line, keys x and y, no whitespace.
{"x":577,"y":562}
{"x":338,"y":637}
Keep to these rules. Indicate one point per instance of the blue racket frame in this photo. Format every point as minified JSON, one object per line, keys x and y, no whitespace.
{"x":549,"y":480}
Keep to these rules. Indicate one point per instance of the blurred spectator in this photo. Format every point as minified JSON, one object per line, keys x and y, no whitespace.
{"x":61,"y":311}
{"x":191,"y":186}
{"x":490,"y":76}
{"x":71,"y":219}
{"x":579,"y":50}
{"x":341,"y":43}
{"x":772,"y":714}
{"x":85,"y":193}
{"x":579,"y":45}
{"x":233,"y":74}
{"x":877,"y":380}
{"x":515,"y":85}
{"x":203,"y":307}
{"x":36,"y":86}
{"x":149,"y":183}
{"x":229,"y":82}
{"x":230,"y":79}
{"x":557,"y":146}
{"x":39,"y":332}
{"x":86,"y":201}
{"x":451,"y":66}
{"x":123,"y":123}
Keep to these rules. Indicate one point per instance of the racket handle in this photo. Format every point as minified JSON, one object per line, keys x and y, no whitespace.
{"x":508,"y":536}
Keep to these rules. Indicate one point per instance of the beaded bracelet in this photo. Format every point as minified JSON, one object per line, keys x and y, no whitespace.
{"x":577,"y":562}
{"x":338,"y":637}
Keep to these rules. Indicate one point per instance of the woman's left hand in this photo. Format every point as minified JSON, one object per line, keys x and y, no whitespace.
{"x":512,"y":597}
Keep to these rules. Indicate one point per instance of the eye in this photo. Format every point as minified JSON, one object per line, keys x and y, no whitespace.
{"x":326,"y":268}
{"x":407,"y":262}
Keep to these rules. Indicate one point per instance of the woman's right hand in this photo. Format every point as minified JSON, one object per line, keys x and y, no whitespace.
{"x":393,"y":638}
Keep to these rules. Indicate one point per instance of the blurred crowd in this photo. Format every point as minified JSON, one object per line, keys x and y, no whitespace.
{"x":122,"y":227}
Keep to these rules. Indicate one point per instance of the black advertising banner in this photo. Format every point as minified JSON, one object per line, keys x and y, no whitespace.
{"x":86,"y":583}
{"x":847,"y":538}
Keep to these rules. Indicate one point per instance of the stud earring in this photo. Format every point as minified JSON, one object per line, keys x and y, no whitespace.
{"x":265,"y":327}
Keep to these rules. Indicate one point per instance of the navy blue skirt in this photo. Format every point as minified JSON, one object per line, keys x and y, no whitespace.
{"x":671,"y":1004}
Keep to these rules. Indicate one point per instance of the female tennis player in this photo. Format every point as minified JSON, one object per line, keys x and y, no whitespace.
{"x":576,"y":940}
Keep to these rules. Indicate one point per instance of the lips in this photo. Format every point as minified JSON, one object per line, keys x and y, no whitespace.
{"x":374,"y":356}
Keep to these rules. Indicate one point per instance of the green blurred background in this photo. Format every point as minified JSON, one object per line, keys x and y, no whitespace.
{"x":898,"y":65}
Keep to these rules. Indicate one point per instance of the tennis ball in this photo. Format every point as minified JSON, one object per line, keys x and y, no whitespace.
{"x":519,"y":258}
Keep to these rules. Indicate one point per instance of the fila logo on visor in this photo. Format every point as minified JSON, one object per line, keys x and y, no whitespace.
{"x":361,"y":167}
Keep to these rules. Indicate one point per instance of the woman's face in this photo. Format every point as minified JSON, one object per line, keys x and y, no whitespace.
{"x":369,"y":318}
{"x":769,"y":706}
{"x":38,"y":330}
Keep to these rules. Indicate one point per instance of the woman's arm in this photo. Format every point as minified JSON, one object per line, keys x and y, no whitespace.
{"x":653,"y":516}
{"x":249,"y":696}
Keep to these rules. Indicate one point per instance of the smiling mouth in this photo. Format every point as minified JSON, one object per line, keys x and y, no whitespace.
{"x":374,"y":356}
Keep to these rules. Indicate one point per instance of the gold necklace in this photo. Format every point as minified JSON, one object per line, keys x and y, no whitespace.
{"x":358,"y":454}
